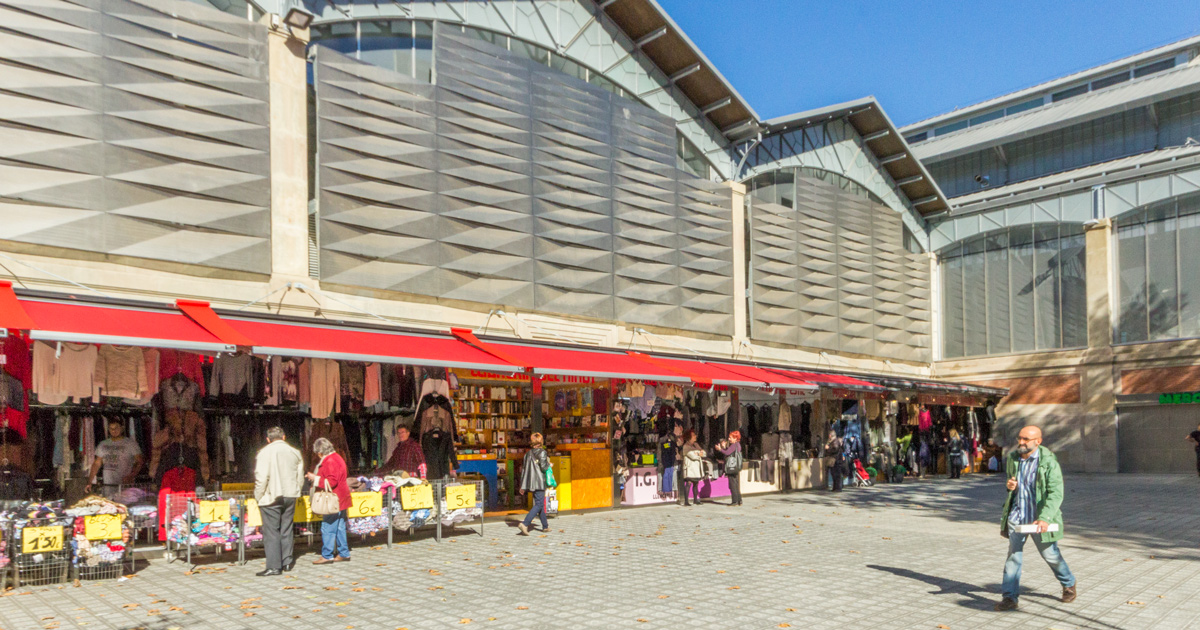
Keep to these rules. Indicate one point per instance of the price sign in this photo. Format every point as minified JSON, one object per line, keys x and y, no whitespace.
{"x":213,"y":512}
{"x":41,"y":539}
{"x":459,"y":497}
{"x":102,"y":527}
{"x":304,"y":513}
{"x":416,"y":497}
{"x":253,"y":515}
{"x":365,"y":504}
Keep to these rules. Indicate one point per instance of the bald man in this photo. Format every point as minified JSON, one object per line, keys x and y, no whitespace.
{"x":1035,"y":496}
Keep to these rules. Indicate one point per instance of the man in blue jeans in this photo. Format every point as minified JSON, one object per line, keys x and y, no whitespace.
{"x":1035,"y":496}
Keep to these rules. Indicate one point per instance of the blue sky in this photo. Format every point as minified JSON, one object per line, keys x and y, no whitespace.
{"x":918,"y":58}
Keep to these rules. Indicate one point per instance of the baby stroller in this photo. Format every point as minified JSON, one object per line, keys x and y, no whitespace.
{"x":861,"y":478}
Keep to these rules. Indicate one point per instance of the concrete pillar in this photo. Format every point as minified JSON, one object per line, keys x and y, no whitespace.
{"x":289,"y":153}
{"x":1097,"y":380}
{"x":738,"y":200}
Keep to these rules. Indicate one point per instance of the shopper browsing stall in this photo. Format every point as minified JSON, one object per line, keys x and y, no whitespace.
{"x":732,"y":450}
{"x":278,"y":478}
{"x":120,"y":457}
{"x":331,"y":477}
{"x":693,"y":467}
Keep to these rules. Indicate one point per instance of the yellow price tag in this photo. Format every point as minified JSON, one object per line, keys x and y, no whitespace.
{"x":253,"y":515}
{"x":365,"y":504}
{"x":213,"y":512}
{"x":102,"y":527}
{"x":304,"y":513}
{"x":459,"y":497}
{"x":41,"y":539}
{"x":648,"y":459}
{"x":416,"y":497}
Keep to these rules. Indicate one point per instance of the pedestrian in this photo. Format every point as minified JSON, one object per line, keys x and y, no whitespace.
{"x":278,"y":479}
{"x":331,"y":476}
{"x":533,"y":479}
{"x":955,"y":455}
{"x":732,"y":450}
{"x":120,"y":456}
{"x":835,"y":459}
{"x":1194,"y":438}
{"x":406,"y":456}
{"x":1035,"y":496}
{"x":693,"y":467}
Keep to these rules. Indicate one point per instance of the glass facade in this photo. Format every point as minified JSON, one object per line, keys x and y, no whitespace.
{"x":406,"y":46}
{"x":1158,"y":259}
{"x":1019,"y":289}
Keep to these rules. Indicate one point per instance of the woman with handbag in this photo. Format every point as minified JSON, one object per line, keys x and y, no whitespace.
{"x":536,"y":476}
{"x":693,"y":467}
{"x":954,"y":460}
{"x":331,"y":499}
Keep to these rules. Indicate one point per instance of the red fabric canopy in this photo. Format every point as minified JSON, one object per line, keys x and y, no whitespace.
{"x":589,"y":363}
{"x":353,"y":344}
{"x":118,"y":325}
{"x":769,"y":378}
{"x":12,"y":314}
{"x":202,"y":313}
{"x":829,"y":380}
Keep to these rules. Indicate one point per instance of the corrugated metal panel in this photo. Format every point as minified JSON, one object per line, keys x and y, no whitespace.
{"x":1061,"y":114}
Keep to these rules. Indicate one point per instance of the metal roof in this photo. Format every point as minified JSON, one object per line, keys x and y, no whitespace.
{"x":1124,"y":96}
{"x":1133,"y":166}
{"x":664,"y":42}
{"x":1053,"y":85}
{"x":882,"y":138}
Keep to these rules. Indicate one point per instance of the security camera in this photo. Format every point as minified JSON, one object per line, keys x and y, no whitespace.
{"x":983,"y":180}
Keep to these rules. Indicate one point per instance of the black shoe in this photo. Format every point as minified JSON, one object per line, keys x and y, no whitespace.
{"x":269,"y":572}
{"x":1007,"y":603}
{"x":289,"y":566}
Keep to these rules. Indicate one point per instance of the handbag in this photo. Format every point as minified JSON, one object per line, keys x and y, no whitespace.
{"x":325,"y":501}
{"x":551,"y":482}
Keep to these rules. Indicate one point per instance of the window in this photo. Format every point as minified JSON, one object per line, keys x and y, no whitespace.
{"x":1069,"y":93}
{"x":1015,"y":290}
{"x":911,"y":244}
{"x":952,"y":127}
{"x":1157,"y":66}
{"x":1024,"y":107}
{"x":1158,"y":251}
{"x":920,"y":137}
{"x":988,"y":117}
{"x":1100,"y":84}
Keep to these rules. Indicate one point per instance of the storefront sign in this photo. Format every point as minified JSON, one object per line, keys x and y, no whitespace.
{"x":520,"y":377}
{"x":253,"y":514}
{"x":102,"y":527}
{"x":460,"y":497}
{"x":953,"y":400}
{"x":365,"y":504}
{"x":416,"y":497}
{"x":641,"y":488}
{"x":1184,"y":398}
{"x":41,"y":539}
{"x":213,"y":512}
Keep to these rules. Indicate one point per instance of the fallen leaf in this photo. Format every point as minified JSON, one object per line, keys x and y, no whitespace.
{"x":249,"y":614}
{"x":464,"y":620}
{"x":790,"y":609}
{"x":734,"y":588}
{"x":720,"y":571}
{"x":292,"y":588}
{"x":663,"y":596}
{"x":942,"y":626}
{"x":1133,"y":603}
{"x":640,"y":620}
{"x":784,"y":625}
{"x":522,"y":608}
{"x":358,"y":589}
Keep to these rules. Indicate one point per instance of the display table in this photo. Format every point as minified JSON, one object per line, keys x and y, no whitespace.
{"x":641,"y":488}
{"x":808,"y":473}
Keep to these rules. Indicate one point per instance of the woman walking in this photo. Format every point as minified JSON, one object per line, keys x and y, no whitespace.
{"x":835,"y":459}
{"x":331,"y":476}
{"x":955,"y":455}
{"x":693,"y":467}
{"x":732,"y":450}
{"x":533,"y":479}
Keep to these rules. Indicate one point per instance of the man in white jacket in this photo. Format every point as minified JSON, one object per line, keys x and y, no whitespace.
{"x":278,"y":479}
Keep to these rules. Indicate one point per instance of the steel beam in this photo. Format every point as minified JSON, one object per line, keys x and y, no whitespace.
{"x":924,"y":200}
{"x":651,"y":36}
{"x":715,"y":105}
{"x":910,"y":180}
{"x":685,"y":72}
{"x":882,"y":133}
{"x":895,"y":157}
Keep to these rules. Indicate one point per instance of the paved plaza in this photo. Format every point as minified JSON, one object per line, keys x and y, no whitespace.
{"x":919,"y":555}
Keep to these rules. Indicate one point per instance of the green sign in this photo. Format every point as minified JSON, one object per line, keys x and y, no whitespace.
{"x":1186,"y":398}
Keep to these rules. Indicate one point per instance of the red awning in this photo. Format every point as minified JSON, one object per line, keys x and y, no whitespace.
{"x":12,"y":314}
{"x":357,"y":344}
{"x":828,"y":380}
{"x":769,"y":378}
{"x":583,"y":362}
{"x":202,"y":313}
{"x":119,"y":326}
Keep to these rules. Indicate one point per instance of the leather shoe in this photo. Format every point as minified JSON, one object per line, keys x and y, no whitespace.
{"x":289,"y":566}
{"x":1068,"y":595}
{"x":1007,"y":603}
{"x":524,"y":529}
{"x":342,"y":559}
{"x":268,"y":572}
{"x":324,"y":561}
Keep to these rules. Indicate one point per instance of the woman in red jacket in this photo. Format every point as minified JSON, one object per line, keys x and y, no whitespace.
{"x":331,"y":470}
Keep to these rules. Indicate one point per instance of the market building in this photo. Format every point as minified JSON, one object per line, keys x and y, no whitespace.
{"x":217,"y":217}
{"x":1066,"y":261}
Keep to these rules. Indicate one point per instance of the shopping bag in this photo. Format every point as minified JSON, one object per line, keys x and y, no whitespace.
{"x":551,"y":501}
{"x":551,"y":482}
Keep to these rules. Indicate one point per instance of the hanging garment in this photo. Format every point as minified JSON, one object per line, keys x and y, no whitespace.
{"x":182,"y":440}
{"x":59,"y":376}
{"x":150,"y":358}
{"x":176,"y":481}
{"x":353,"y":383}
{"x":440,"y":458}
{"x":333,"y":431}
{"x":371,"y":387}
{"x":325,"y":388}
{"x":179,"y":393}
{"x":232,"y":379}
{"x":120,"y":372}
{"x":174,"y":362}
{"x":924,"y":420}
{"x":784,"y":418}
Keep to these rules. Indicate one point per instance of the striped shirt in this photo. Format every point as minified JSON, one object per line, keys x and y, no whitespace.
{"x":1024,"y":510}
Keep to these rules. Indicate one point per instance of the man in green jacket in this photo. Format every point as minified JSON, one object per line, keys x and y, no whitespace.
{"x":1035,"y":496}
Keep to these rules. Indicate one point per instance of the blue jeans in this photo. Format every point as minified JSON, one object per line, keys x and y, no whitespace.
{"x":1012,"y":568}
{"x":538,"y":509}
{"x":333,"y":535}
